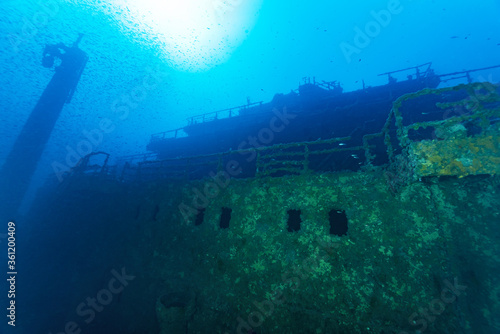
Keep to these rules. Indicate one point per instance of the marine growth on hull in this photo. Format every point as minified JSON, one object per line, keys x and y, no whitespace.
{"x":380,"y":231}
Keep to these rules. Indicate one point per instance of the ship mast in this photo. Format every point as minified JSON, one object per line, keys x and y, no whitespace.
{"x":21,"y":163}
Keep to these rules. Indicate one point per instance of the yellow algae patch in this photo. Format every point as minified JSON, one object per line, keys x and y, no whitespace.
{"x":458,"y":156}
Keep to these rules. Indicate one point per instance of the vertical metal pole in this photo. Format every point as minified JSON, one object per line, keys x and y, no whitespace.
{"x":21,"y":163}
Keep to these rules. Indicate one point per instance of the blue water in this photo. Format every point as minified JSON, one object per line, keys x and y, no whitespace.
{"x":211,"y":55}
{"x":287,"y":41}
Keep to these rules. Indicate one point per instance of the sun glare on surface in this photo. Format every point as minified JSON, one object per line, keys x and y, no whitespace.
{"x":195,"y":35}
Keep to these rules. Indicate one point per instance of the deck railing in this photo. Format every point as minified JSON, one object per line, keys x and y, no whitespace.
{"x":480,"y":107}
{"x":276,"y":160}
{"x":220,"y":114}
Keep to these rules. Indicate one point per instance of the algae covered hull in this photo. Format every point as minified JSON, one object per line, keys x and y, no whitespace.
{"x":286,"y":243}
{"x":424,"y":258}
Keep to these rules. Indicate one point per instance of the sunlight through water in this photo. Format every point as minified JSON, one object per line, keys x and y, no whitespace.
{"x":192,"y":35}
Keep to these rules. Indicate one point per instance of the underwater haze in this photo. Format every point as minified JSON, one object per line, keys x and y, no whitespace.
{"x":254,"y":51}
{"x":387,"y":183}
